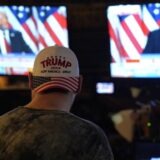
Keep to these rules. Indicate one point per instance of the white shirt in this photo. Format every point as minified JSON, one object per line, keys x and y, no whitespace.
{"x":4,"y":33}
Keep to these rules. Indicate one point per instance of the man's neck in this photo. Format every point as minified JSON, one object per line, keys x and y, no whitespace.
{"x":51,"y":101}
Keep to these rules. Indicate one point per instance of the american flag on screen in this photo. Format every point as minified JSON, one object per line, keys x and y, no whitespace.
{"x":129,"y":30}
{"x":51,"y":26}
{"x":40,"y":26}
{"x":22,"y":18}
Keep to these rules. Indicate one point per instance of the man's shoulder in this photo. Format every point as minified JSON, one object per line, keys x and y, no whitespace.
{"x":58,"y":118}
{"x":14,"y":112}
{"x":86,"y":124}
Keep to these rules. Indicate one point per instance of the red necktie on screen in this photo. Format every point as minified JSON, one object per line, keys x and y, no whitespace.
{"x":7,"y":45}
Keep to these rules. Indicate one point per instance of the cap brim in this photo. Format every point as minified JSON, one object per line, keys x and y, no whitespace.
{"x":44,"y":83}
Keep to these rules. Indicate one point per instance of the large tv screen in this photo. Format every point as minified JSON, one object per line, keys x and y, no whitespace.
{"x":134,"y":36}
{"x":24,"y":30}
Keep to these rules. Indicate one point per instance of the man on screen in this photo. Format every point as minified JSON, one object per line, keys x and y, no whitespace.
{"x":11,"y":41}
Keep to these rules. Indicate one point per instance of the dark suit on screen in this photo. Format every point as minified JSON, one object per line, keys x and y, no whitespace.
{"x":17,"y":42}
{"x":153,"y":43}
{"x":18,"y":45}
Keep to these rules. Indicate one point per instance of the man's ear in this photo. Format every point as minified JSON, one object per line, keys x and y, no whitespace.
{"x":80,"y":84}
{"x":30,"y":77}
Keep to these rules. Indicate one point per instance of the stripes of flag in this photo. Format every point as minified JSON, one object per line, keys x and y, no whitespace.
{"x":40,"y":26}
{"x":129,"y":26}
{"x":68,"y":83}
{"x":49,"y":33}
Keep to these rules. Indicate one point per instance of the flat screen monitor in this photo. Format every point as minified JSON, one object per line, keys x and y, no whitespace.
{"x":105,"y":88}
{"x":25,"y":30}
{"x":134,"y":38}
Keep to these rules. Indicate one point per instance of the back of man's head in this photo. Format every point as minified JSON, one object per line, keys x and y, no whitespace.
{"x":56,"y":68}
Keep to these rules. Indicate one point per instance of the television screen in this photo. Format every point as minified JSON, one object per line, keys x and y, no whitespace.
{"x":134,"y":36}
{"x":104,"y":87}
{"x":24,"y":30}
